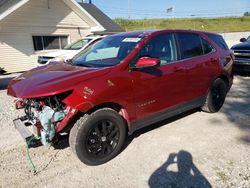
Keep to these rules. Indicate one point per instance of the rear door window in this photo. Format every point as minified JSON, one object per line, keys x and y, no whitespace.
{"x":207,"y":47}
{"x":190,"y":45}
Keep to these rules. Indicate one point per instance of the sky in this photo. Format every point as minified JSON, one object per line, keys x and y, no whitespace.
{"x":146,"y":9}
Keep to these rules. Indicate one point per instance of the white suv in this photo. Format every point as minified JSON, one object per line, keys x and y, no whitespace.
{"x":69,"y":51}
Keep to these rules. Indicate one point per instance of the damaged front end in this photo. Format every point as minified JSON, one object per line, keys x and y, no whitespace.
{"x":49,"y":116}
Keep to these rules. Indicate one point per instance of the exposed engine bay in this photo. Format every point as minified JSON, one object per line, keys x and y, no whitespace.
{"x":46,"y":115}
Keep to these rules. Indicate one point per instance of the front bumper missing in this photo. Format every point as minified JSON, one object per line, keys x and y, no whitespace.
{"x":29,"y":137}
{"x":22,"y":129}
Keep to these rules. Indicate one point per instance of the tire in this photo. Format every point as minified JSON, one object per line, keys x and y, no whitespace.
{"x":98,"y":137}
{"x":216,"y":96}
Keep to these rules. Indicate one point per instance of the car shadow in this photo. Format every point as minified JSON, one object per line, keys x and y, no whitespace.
{"x":139,"y":132}
{"x":237,"y":106}
{"x":178,"y":171}
{"x":63,"y":141}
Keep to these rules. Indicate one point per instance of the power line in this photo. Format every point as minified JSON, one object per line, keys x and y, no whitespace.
{"x":144,"y":12}
{"x":158,"y":10}
{"x":176,"y":13}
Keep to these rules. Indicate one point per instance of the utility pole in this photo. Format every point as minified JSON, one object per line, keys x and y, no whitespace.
{"x":128,"y":9}
{"x":192,"y":15}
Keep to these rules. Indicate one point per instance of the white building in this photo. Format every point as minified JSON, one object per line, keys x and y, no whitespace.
{"x":29,"y":26}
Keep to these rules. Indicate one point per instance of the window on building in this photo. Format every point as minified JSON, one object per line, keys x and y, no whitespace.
{"x":49,"y":42}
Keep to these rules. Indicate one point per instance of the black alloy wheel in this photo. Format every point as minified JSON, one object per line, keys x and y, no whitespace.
{"x":218,"y":93}
{"x":216,"y":96}
{"x":103,"y":138}
{"x":98,"y":137}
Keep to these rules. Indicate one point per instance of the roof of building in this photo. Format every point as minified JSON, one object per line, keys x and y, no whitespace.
{"x":95,"y":14}
{"x":103,"y":19}
{"x":6,"y":4}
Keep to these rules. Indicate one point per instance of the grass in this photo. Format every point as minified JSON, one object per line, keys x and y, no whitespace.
{"x":247,"y":178}
{"x":221,"y":175}
{"x":216,"y":24}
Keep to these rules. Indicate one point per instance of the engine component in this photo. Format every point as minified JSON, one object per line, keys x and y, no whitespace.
{"x":48,"y":117}
{"x":19,"y":104}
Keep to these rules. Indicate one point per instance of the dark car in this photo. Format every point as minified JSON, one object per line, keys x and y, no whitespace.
{"x":242,"y":55}
{"x":121,"y":84}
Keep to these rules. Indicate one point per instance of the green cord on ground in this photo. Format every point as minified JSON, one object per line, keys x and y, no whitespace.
{"x":28,"y":155}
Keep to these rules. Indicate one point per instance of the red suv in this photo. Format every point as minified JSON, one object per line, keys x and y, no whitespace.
{"x":120,"y":84}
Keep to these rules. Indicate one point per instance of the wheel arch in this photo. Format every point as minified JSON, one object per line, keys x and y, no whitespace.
{"x":115,"y":106}
{"x":225,"y":79}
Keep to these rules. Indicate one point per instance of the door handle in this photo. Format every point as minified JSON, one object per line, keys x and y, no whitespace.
{"x":178,"y":69}
{"x":213,"y":60}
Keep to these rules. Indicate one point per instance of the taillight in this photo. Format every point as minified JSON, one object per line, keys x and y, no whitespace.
{"x":232,"y":56}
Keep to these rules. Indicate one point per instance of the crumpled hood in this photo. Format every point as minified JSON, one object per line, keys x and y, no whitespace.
{"x":241,"y":46}
{"x":51,"y":79}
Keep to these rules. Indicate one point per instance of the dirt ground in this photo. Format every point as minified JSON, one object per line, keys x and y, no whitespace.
{"x":195,"y":149}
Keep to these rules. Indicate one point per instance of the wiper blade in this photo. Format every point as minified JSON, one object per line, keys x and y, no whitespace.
{"x":70,"y":61}
{"x":84,"y":65}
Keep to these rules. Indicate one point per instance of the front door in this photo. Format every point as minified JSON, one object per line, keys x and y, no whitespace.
{"x":158,"y":88}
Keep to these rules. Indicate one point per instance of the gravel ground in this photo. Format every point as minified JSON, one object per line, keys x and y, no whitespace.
{"x":195,"y":149}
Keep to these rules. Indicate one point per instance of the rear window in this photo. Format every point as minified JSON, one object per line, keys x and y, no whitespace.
{"x":218,"y":39}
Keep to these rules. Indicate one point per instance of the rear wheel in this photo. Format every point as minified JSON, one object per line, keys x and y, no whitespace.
{"x":216,"y":96}
{"x":98,"y":137}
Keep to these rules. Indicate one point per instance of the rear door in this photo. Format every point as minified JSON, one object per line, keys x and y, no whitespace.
{"x":156,"y":89}
{"x":225,"y":55}
{"x":198,"y":56}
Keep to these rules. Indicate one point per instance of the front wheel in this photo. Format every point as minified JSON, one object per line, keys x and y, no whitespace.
{"x":98,"y":137}
{"x":216,"y":96}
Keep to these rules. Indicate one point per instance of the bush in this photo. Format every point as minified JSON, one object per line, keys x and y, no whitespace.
{"x":247,"y":14}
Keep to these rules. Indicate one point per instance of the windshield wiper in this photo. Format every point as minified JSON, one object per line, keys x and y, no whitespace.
{"x":83,"y":65}
{"x":70,"y":61}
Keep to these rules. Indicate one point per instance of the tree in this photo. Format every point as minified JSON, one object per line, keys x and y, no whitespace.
{"x":247,"y":14}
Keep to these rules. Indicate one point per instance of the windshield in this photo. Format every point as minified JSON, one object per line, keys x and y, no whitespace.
{"x":108,"y":52}
{"x":248,"y":39}
{"x":77,"y":45}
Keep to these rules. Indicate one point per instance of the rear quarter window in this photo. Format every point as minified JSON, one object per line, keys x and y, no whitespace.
{"x":218,"y":39}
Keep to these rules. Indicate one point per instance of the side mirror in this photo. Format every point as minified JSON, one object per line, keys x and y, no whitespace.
{"x":145,"y":62}
{"x":243,"y":40}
